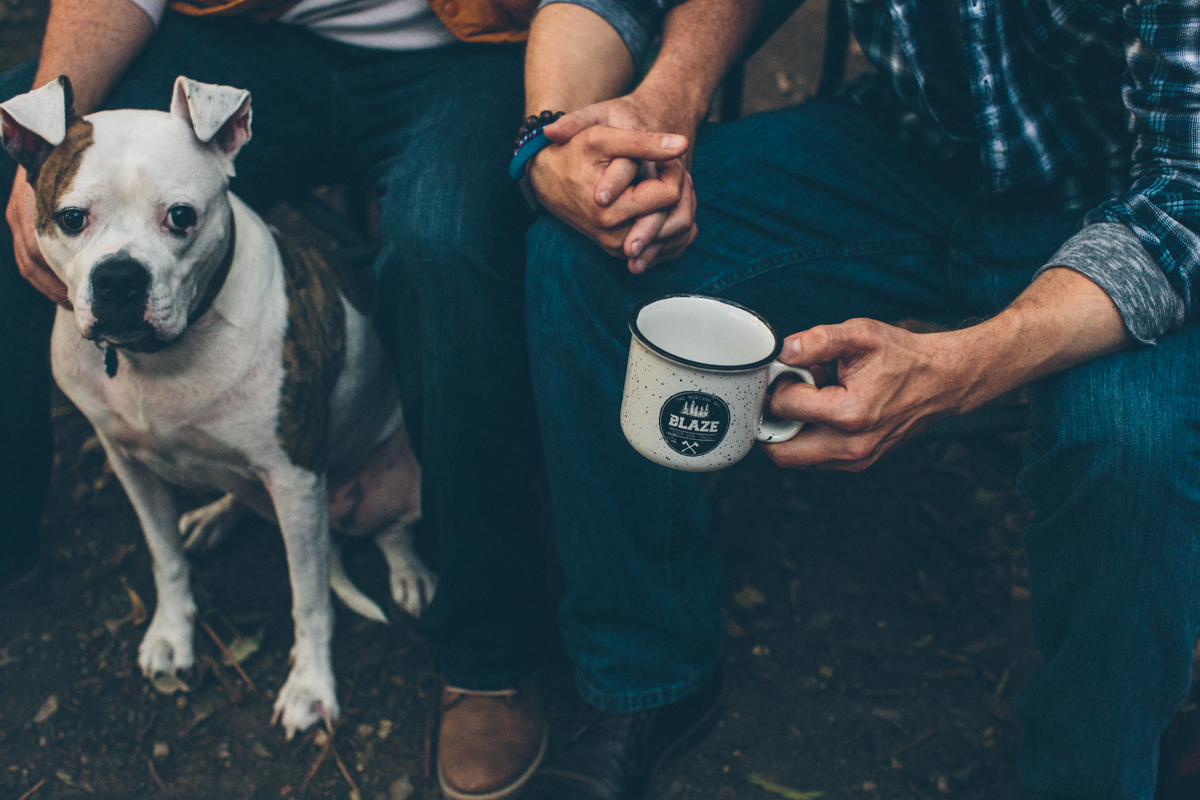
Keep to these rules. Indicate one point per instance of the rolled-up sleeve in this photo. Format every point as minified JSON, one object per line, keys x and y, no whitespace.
{"x":1162,"y":205}
{"x":638,"y":22}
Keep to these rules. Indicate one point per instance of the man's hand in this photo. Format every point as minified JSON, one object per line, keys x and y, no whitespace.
{"x":891,"y":384}
{"x":20,"y":216}
{"x":572,"y":179}
{"x":663,"y":233}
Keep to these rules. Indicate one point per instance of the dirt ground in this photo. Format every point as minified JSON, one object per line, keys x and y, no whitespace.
{"x":877,"y":628}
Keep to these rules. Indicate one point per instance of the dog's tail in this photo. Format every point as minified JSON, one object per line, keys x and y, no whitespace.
{"x":347,"y":592}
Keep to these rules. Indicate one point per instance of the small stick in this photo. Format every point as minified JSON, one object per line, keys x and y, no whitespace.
{"x":345,"y":772}
{"x":234,"y":632}
{"x":312,"y":771}
{"x":230,"y":687}
{"x":36,"y":786}
{"x":154,"y":774}
{"x":228,"y":656}
{"x":427,"y":759}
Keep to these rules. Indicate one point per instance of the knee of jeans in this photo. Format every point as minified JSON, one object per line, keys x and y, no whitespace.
{"x":1101,"y":420}
{"x":443,"y":231}
{"x":570,"y":294}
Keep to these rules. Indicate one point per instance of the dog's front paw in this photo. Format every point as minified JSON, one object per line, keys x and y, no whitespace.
{"x":205,"y":527}
{"x":413,"y":587}
{"x":167,"y":645}
{"x":307,"y":697}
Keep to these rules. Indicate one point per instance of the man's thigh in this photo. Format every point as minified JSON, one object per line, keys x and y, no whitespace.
{"x":434,"y":131}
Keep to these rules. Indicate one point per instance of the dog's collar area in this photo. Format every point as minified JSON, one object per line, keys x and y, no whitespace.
{"x":215,"y":284}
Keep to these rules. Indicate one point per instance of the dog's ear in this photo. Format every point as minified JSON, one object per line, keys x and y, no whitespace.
{"x":32,"y":124}
{"x":217,"y":114}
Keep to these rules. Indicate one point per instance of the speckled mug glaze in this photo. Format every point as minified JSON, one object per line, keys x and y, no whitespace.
{"x":698,"y":373}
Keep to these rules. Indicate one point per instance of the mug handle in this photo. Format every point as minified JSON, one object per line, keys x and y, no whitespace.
{"x":780,"y":430}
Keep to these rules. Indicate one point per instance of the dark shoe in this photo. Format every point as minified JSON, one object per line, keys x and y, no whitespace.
{"x":613,"y":755}
{"x":490,"y":743}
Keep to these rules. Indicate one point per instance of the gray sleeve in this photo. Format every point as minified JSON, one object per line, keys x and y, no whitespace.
{"x":633,"y":29}
{"x":1111,"y":255}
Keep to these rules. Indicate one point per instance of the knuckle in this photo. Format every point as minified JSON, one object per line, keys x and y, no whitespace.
{"x":860,"y":450}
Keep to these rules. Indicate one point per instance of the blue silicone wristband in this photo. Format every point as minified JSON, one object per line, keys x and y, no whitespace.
{"x":520,"y":159}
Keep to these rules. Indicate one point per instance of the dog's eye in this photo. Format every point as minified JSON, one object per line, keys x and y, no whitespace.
{"x":72,"y":220}
{"x":181,"y":217}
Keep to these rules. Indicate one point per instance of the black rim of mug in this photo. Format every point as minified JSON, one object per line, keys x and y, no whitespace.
{"x":633,"y":327}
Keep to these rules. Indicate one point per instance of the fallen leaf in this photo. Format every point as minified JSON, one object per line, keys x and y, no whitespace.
{"x":137,"y":609}
{"x":243,"y":647}
{"x":749,"y":598}
{"x":161,"y":750}
{"x":782,"y":791}
{"x":401,"y":789}
{"x":48,"y":709}
{"x":165,"y":683}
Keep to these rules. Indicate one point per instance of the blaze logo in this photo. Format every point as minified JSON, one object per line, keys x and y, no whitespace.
{"x":694,"y":423}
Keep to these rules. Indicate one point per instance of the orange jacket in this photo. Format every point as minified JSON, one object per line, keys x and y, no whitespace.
{"x":468,"y":20}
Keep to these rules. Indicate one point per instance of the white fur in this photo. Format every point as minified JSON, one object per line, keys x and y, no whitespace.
{"x":203,"y":411}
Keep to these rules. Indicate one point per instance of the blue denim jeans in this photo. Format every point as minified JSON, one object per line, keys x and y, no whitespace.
{"x":815,"y":214}
{"x":431,"y":131}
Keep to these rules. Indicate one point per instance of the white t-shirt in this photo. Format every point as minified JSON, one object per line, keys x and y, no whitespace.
{"x":379,"y":24}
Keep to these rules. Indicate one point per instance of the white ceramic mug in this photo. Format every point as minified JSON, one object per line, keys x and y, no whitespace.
{"x":699,"y":369}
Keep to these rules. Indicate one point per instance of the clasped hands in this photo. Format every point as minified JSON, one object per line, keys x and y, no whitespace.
{"x":620,"y":177}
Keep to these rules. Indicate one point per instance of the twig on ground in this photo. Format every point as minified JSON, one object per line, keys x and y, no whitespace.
{"x":228,"y":656}
{"x":316,"y":765}
{"x":427,"y":759}
{"x":345,"y":773}
{"x":35,"y":787}
{"x":154,"y":774}
{"x":916,"y":740}
{"x":231,"y":688}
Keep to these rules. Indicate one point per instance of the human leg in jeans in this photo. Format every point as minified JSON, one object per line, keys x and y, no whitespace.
{"x":810,"y":215}
{"x":450,"y":310}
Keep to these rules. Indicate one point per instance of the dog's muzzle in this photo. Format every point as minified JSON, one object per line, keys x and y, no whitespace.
{"x":120,"y":288}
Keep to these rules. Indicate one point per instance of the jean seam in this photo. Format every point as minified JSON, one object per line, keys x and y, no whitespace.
{"x":640,"y":701}
{"x":901,"y":244}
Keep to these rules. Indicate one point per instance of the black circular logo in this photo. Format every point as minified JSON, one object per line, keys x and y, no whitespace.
{"x":694,"y":423}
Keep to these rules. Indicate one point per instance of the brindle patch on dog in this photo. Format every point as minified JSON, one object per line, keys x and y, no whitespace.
{"x":314,"y":351}
{"x":56,"y":174}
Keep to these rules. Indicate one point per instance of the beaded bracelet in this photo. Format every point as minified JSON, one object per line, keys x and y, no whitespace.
{"x":530,"y":140}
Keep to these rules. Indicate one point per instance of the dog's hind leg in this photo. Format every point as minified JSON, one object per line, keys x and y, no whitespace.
{"x":413,"y":583}
{"x":167,"y":645}
{"x":205,"y":527}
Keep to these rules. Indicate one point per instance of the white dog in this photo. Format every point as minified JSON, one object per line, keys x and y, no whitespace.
{"x":207,"y":357}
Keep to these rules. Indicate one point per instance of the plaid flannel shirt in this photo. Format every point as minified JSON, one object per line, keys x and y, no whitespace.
{"x":1093,"y":103}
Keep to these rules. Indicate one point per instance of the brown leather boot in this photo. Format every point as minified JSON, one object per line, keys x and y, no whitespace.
{"x":490,"y":743}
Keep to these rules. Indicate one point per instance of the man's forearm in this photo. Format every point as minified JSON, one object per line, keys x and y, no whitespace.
{"x":573,"y":58}
{"x":700,"y":39}
{"x":92,"y":42}
{"x":1063,"y":319}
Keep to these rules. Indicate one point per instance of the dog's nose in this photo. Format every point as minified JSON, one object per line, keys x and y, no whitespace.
{"x":120,"y":281}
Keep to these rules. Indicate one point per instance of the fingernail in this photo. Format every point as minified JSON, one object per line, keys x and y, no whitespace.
{"x":671,"y":142}
{"x":791,"y":348}
{"x":605,"y":197}
{"x":636,"y":248}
